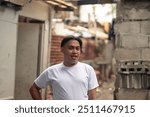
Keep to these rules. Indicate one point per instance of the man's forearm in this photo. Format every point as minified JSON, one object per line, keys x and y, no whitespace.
{"x":35,"y":92}
{"x":36,"y":95}
{"x":92,"y":94}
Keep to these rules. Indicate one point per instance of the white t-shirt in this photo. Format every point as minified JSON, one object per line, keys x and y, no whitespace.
{"x":69,"y":83}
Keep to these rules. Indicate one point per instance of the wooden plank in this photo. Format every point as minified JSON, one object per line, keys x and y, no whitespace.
{"x":61,"y":5}
{"x":85,"y":2}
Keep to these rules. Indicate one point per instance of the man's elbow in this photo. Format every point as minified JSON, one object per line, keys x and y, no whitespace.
{"x":34,"y":90}
{"x":31,"y":89}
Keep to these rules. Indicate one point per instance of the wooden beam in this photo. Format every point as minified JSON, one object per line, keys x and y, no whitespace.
{"x":65,"y":3}
{"x":85,"y":2}
{"x":61,"y":2}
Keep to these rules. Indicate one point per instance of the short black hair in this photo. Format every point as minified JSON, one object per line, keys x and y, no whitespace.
{"x":68,"y":38}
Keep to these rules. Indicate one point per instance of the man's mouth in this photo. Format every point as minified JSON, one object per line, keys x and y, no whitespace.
{"x":74,"y":57}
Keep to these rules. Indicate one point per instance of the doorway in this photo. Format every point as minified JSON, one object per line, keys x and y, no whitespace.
{"x":28,"y":57}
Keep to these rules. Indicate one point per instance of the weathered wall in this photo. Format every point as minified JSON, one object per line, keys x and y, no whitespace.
{"x":132,"y":35}
{"x":8,"y":45}
{"x":8,"y":38}
{"x":40,"y":11}
{"x":132,"y":30}
{"x":31,"y":39}
{"x":36,"y":10}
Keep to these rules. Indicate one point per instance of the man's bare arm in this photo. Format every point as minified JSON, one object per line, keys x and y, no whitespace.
{"x":92,"y":94}
{"x":35,"y":92}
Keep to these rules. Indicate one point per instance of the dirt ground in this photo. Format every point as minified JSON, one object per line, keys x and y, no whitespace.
{"x":105,"y":91}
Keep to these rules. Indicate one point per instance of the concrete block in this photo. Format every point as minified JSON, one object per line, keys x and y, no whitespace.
{"x":137,"y":14}
{"x":133,"y":69}
{"x":134,"y":41}
{"x":127,"y":54}
{"x":133,"y":94}
{"x":128,"y":27}
{"x":117,"y":40}
{"x":134,"y":10}
{"x":145,"y":53}
{"x":145,"y":27}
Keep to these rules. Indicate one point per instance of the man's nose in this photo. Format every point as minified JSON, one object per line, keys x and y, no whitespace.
{"x":75,"y":50}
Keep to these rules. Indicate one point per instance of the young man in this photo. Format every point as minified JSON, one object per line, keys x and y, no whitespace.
{"x":71,"y":79}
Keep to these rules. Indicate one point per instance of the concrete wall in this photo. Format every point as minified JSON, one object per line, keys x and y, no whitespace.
{"x":8,"y":38}
{"x":39,"y":60}
{"x":132,"y":37}
{"x":40,"y":11}
{"x":132,"y":30}
{"x":8,"y":45}
{"x":36,"y":10}
{"x":26,"y":63}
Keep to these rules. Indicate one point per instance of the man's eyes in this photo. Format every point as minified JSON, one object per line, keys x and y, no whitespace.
{"x":71,"y":48}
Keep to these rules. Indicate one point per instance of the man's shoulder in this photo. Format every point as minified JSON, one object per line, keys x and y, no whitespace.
{"x":54,"y":66}
{"x":85,"y":65}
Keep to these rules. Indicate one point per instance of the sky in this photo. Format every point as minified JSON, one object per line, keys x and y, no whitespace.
{"x":101,"y":12}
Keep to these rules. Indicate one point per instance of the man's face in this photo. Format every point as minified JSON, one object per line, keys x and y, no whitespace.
{"x":71,"y":51}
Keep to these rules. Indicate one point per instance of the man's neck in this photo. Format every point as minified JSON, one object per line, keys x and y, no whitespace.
{"x":69,"y":64}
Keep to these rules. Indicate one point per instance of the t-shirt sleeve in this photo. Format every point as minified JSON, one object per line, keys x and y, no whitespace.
{"x":42,"y":79}
{"x":92,"y":81}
